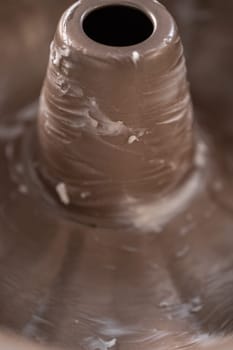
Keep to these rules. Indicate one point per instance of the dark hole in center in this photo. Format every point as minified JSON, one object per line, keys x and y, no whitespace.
{"x":118,"y":25}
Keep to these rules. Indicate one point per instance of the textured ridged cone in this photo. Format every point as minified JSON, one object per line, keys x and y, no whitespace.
{"x":115,"y":123}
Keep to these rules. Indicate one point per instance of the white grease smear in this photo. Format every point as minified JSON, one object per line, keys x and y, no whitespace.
{"x":135,"y":57}
{"x":183,"y":252}
{"x":154,"y":216}
{"x":62,"y":193}
{"x":58,"y":53}
{"x":181,"y":311}
{"x":89,"y":117}
{"x":172,"y":120}
{"x":201,"y":155}
{"x":94,"y":343}
{"x":132,"y":139}
{"x":102,"y":124}
{"x":85,"y":195}
{"x":31,"y":328}
{"x":62,"y":84}
{"x":108,"y":327}
{"x":168,"y":40}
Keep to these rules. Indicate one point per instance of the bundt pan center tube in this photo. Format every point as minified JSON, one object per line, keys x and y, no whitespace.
{"x":115,"y":120}
{"x":115,"y":231}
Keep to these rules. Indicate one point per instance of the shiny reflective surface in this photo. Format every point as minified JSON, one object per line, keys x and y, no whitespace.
{"x":92,"y":288}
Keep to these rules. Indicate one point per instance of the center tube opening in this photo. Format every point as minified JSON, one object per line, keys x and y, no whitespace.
{"x":118,"y":25}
